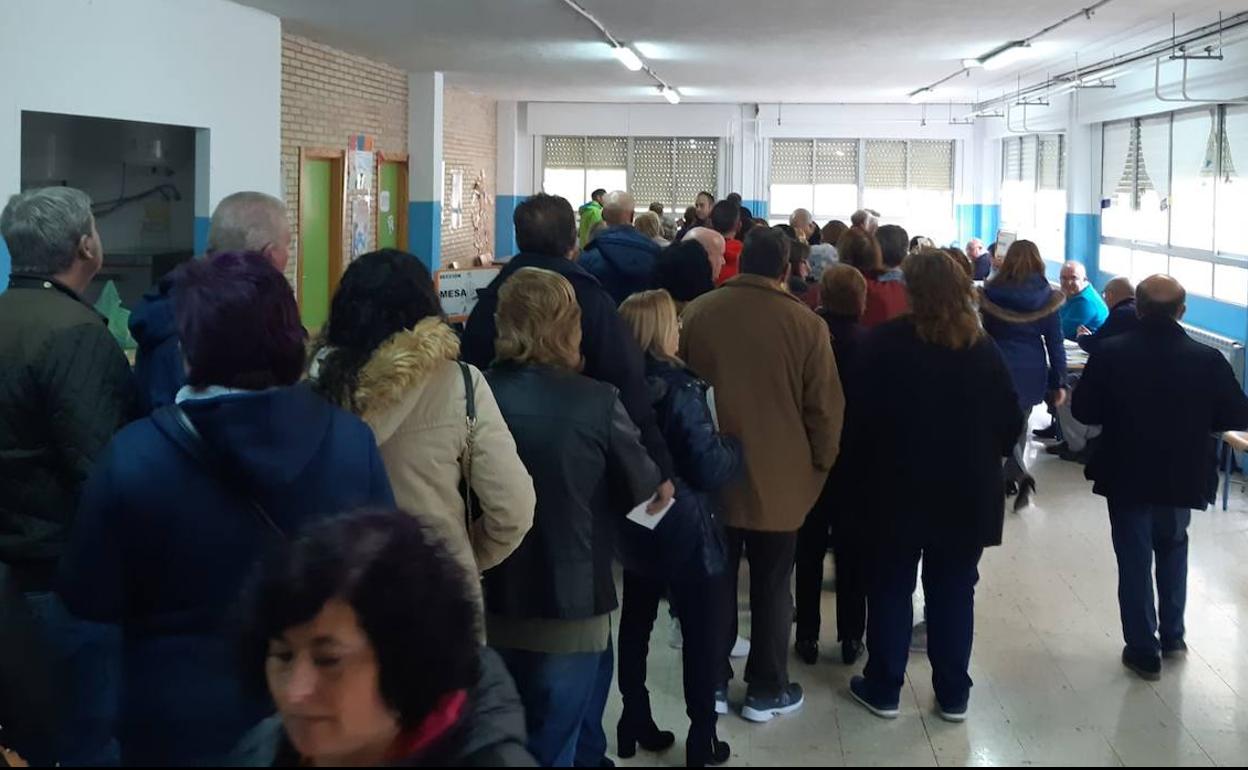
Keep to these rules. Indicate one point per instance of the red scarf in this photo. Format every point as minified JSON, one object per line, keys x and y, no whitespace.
{"x":445,"y":714}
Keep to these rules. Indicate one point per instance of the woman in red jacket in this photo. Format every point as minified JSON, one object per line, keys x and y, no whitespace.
{"x":886,"y":293}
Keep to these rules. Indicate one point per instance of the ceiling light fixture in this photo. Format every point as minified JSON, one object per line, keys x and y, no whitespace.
{"x":1010,"y":53}
{"x":670,"y":94}
{"x":627,"y":57}
{"x":971,"y":64}
{"x":918,"y":95}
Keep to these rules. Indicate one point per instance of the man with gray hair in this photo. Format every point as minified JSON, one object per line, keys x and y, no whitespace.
{"x":865,"y":219}
{"x":805,"y":228}
{"x":621,"y":258}
{"x":65,"y":389}
{"x":244,"y":221}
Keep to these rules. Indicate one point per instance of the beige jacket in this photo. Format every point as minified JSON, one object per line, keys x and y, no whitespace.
{"x":411,"y":392}
{"x":776,"y":388}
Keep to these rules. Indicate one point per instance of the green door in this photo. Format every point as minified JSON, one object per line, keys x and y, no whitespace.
{"x":389,"y":207}
{"x":314,"y":217}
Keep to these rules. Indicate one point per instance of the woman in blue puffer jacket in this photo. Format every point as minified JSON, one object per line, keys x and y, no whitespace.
{"x":1020,"y":312}
{"x":684,"y":554}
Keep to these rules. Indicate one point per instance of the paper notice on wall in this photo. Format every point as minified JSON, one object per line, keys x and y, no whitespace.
{"x":457,"y":289}
{"x":385,"y":201}
{"x":361,"y":226}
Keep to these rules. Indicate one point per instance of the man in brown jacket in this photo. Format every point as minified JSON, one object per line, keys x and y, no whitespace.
{"x":776,"y":387}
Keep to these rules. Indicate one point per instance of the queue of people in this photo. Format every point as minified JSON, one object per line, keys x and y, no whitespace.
{"x":410,"y":533}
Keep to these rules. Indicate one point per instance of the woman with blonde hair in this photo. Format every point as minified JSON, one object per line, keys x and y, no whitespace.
{"x":684,"y":554}
{"x":1020,"y":312}
{"x":548,"y":606}
{"x":931,"y":372}
{"x":650,"y":225}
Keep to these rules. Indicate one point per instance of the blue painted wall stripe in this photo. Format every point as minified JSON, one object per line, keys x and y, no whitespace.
{"x":424,"y":232}
{"x":1083,"y":241}
{"x":201,"y":234}
{"x":5,"y":266}
{"x":504,"y":227}
{"x":978,"y":220}
{"x":760,"y":209}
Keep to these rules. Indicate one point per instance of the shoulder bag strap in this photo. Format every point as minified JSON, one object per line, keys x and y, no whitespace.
{"x":465,"y":462}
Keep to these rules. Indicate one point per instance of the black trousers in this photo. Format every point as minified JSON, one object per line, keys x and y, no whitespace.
{"x":812,"y":546}
{"x":696,"y":605}
{"x":771,"y":607}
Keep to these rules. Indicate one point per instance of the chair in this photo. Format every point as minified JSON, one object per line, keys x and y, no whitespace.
{"x":1233,"y":443}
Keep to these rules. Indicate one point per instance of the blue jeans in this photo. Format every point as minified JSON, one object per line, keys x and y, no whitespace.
{"x":558,"y":692}
{"x":87,"y":660}
{"x":949,"y":578}
{"x":1140,"y":531}
{"x":591,"y":746}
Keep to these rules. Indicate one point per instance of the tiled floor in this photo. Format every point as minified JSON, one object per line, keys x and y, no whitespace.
{"x":1049,"y":687}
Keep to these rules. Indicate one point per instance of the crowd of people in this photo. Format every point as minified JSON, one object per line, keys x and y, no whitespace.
{"x":392,"y":541}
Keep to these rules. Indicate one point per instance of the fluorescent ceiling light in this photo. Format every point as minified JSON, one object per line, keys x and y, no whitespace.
{"x":919,"y":95}
{"x":971,"y":63}
{"x":670,"y":94}
{"x":627,"y":57}
{"x":1107,"y":76}
{"x":1008,"y":54}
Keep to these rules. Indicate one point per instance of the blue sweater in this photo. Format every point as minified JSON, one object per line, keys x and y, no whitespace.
{"x":622,"y":260}
{"x":1023,"y":319}
{"x":1083,"y":309}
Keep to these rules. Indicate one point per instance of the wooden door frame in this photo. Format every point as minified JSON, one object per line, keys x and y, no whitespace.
{"x":337,"y":203}
{"x":401,"y":215}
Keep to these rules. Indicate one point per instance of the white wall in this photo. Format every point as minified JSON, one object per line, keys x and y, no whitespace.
{"x":202,"y":63}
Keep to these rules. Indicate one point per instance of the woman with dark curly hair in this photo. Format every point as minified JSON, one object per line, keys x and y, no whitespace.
{"x":388,"y":356}
{"x":363,"y":633}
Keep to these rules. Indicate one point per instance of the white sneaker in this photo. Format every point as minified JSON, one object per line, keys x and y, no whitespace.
{"x":676,"y":639}
{"x":741,"y":648}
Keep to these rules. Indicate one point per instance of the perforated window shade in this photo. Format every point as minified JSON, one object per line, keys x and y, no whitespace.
{"x":836,"y":161}
{"x":1012,"y":162}
{"x":564,"y":152}
{"x":931,"y":165}
{"x":1029,"y":159}
{"x":886,"y":164}
{"x":697,"y":168}
{"x":1052,"y":162}
{"x":606,"y":152}
{"x":791,"y":161}
{"x":652,"y":172}
{"x":1134,"y":179}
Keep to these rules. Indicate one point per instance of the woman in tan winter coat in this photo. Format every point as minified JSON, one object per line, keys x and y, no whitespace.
{"x":388,"y":356}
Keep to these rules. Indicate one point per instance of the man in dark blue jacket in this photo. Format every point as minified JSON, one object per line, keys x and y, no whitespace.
{"x":1119,"y":295}
{"x":1159,"y":396}
{"x":621,"y":258}
{"x":244,"y":221}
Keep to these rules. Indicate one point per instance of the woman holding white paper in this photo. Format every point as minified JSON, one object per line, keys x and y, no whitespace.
{"x":684,"y":554}
{"x":548,"y":606}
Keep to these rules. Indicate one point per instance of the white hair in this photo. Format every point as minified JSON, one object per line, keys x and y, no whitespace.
{"x":617,"y":208}
{"x":247,"y":221}
{"x":43,"y":228}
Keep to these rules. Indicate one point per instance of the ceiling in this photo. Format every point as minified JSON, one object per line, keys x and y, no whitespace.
{"x":732,"y":50}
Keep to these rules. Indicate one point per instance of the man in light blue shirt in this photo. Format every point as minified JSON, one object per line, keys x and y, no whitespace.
{"x":1084,"y":308}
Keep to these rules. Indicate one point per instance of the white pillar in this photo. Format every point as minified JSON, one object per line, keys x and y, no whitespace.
{"x":424,"y":169}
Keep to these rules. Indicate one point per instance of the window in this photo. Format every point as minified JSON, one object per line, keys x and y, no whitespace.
{"x":1174,"y":201}
{"x":671,"y":171}
{"x":575,"y":166}
{"x":1033,"y":191}
{"x":909,"y":181}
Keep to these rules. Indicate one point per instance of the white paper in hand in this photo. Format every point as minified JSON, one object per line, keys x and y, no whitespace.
{"x":710,"y":404}
{"x":639,"y":516}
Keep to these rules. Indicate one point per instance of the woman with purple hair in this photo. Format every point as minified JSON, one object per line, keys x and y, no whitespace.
{"x":184,"y":502}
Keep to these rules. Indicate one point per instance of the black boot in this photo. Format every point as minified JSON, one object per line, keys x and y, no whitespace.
{"x":639,"y":728}
{"x":807,"y":650}
{"x":1026,"y":488}
{"x":851,"y":651}
{"x":703,"y":749}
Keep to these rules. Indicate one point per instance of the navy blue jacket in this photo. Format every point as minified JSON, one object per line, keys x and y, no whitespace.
{"x":1122,"y":319}
{"x":611,"y":353}
{"x":983,"y":266}
{"x":1159,"y":397}
{"x":162,"y":549}
{"x":689,"y":543}
{"x":1024,"y":320}
{"x":622,"y":260}
{"x":158,"y":365}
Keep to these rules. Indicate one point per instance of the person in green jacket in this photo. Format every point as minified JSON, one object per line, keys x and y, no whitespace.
{"x":591,"y":214}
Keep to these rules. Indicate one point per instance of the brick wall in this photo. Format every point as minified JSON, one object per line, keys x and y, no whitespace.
{"x":469,"y":145}
{"x":328,"y":95}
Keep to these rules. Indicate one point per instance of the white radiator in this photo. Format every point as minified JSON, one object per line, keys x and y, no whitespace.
{"x":1228,"y":347}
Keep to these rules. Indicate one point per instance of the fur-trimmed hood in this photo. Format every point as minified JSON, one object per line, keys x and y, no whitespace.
{"x":401,"y":363}
{"x":1027,"y":303}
